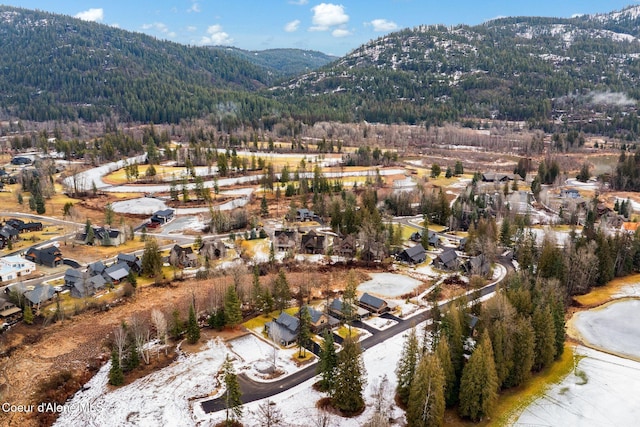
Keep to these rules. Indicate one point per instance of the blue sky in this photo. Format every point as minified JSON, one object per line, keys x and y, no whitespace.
{"x":334,"y":27}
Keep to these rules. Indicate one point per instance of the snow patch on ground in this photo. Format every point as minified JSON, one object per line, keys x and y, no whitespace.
{"x":615,"y":327}
{"x":380,"y":323}
{"x":140,"y":206}
{"x":161,"y":398}
{"x":389,"y":284}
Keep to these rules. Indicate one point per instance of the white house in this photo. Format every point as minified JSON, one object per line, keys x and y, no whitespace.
{"x":12,"y":267}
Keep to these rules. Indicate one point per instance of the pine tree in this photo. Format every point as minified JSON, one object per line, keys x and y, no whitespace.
{"x":545,"y":335}
{"x":267,"y":301}
{"x":232,"y":395}
{"x":327,"y":363}
{"x":281,"y":291}
{"x":304,"y":331}
{"x":523,"y":354}
{"x":501,"y":339}
{"x":116,"y":377}
{"x":256,"y":289}
{"x":444,"y":355}
{"x":427,"y":401}
{"x":151,"y":260}
{"x":193,"y":330}
{"x":349,"y":299}
{"x":479,"y":382}
{"x":453,"y":327}
{"x":133,"y":358}
{"x":216,"y":320}
{"x":27,"y":314}
{"x":405,"y":371}
{"x":557,"y":311}
{"x":232,"y":309}
{"x":264,"y":206}
{"x":350,"y":378}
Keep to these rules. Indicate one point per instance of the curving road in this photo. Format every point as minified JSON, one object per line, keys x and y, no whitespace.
{"x":253,"y":390}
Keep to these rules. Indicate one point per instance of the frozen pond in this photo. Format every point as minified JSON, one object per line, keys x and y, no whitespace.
{"x":389,"y":284}
{"x":140,"y":206}
{"x":615,"y":327}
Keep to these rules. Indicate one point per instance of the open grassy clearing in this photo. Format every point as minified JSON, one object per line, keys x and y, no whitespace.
{"x":602,"y":295}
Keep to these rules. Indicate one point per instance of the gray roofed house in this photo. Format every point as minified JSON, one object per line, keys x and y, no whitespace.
{"x":447,"y":260}
{"x":71,"y":276}
{"x":337,"y":309}
{"x":321,"y":321}
{"x":163,"y":216}
{"x":131,"y":260}
{"x":97,"y":267}
{"x":344,"y":246}
{"x":478,"y":265}
{"x":414,"y":255}
{"x":50,"y":256}
{"x":434,"y":239}
{"x":373,"y":304}
{"x":213,"y":249}
{"x":284,"y":329}
{"x":284,"y":240}
{"x":373,"y":251}
{"x":116,"y":272}
{"x":183,"y":257}
{"x":41,"y":293}
{"x":88,"y":286}
{"x":312,"y":243}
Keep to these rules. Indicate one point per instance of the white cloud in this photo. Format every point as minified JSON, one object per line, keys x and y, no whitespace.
{"x":327,"y":15}
{"x":93,"y":14}
{"x":299,"y":2}
{"x":195,"y":7}
{"x":216,"y":36}
{"x":191,"y":28}
{"x":292,"y":26}
{"x":159,"y":27}
{"x":340,"y":32}
{"x":383,"y":25}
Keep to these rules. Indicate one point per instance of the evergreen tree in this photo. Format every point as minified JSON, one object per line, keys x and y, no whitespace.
{"x":444,"y":355}
{"x":27,"y":314}
{"x":193,"y":330}
{"x":131,"y":278}
{"x":427,"y":401}
{"x":545,"y":336}
{"x":151,"y":259}
{"x":281,"y":291}
{"x":264,"y":206}
{"x":267,"y":301}
{"x":133,"y":358}
{"x":557,"y":311}
{"x":256,"y":289}
{"x":108,"y":214}
{"x":232,"y":308}
{"x":327,"y":363}
{"x":479,"y":383}
{"x":350,"y":378}
{"x":523,"y":353}
{"x":177,"y":326}
{"x":116,"y":377}
{"x":406,"y":369}
{"x":216,"y":320}
{"x":91,"y":235}
{"x":453,"y":327}
{"x":304,"y":331}
{"x":501,"y":339}
{"x":232,"y":395}
{"x":349,"y":299}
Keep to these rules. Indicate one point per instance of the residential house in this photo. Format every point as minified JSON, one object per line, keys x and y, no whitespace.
{"x":213,"y":249}
{"x":116,"y":272}
{"x":8,"y":310}
{"x":312,"y":243}
{"x":337,"y":309}
{"x":496,"y":177}
{"x":96,"y":268}
{"x":478,"y":265}
{"x":24,"y":227}
{"x":7,"y":234}
{"x":283,"y":330}
{"x":447,"y":260}
{"x":51,"y":256}
{"x":162,"y":216}
{"x":72,"y":276}
{"x":131,"y":260}
{"x":373,"y":304}
{"x":183,"y":257}
{"x":12,"y":267}
{"x":373,"y":251}
{"x":414,"y":255}
{"x":320,"y":321}
{"x":304,"y":215}
{"x":284,"y":240}
{"x":39,"y":295}
{"x":434,"y":239}
{"x":88,"y":286}
{"x":103,"y":236}
{"x":345,"y":246}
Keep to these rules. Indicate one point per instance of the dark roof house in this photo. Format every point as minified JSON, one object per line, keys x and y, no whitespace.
{"x":283,"y":330}
{"x":40,"y":294}
{"x":131,"y":260}
{"x":373,"y":304}
{"x":213,"y":249}
{"x":336,"y":308}
{"x":414,"y":255}
{"x":434,"y":239}
{"x":374,"y":251}
{"x":320,"y":321}
{"x":284,"y":240}
{"x":163,"y":216}
{"x":478,"y":265}
{"x":345,"y":246}
{"x":447,"y":260}
{"x":116,"y":272}
{"x":183,"y":257}
{"x":312,"y":243}
{"x":50,"y":256}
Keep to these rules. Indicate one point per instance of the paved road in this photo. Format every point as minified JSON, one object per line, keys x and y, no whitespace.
{"x":253,"y":390}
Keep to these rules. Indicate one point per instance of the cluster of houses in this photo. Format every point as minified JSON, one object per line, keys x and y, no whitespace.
{"x":285,"y":329}
{"x":12,"y":228}
{"x":96,"y":277}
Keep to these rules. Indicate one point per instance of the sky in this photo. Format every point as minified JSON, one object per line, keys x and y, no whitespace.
{"x":331,"y":26}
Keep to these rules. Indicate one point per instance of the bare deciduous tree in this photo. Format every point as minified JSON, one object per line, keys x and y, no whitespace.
{"x":160,"y":324}
{"x":142,"y":335}
{"x":120,"y":340}
{"x":269,"y":415}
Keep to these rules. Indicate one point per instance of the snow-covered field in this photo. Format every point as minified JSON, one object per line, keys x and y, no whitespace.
{"x":162,"y":398}
{"x":379,"y":323}
{"x":605,"y":393}
{"x":389,"y":284}
{"x":140,"y":206}
{"x":615,"y":327}
{"x":602,"y":390}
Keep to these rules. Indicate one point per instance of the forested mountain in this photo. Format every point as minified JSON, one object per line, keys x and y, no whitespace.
{"x":519,"y":68}
{"x":582,"y":73}
{"x":282,"y":62}
{"x":58,"y":67}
